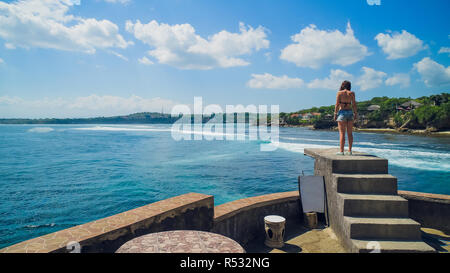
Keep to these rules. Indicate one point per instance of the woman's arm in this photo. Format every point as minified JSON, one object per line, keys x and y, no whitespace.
{"x":355,"y":109}
{"x":336,"y":106}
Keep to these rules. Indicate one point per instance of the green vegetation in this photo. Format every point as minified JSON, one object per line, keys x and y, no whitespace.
{"x":428,"y":112}
{"x":431,"y":113}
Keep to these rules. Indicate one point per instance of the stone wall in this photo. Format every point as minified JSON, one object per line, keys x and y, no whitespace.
{"x":430,"y":210}
{"x":187,"y":211}
{"x":243,"y":220}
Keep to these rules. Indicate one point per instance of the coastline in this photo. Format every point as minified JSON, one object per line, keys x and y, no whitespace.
{"x":408,"y":132}
{"x":417,"y":132}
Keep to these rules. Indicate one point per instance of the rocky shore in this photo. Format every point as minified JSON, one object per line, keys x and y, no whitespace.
{"x":423,"y":132}
{"x":406,"y":132}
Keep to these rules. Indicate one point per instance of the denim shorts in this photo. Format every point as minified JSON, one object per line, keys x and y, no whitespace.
{"x":345,"y":115}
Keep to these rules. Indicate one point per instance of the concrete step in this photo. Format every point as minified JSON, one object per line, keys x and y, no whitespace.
{"x":355,"y":164}
{"x":366,"y":183}
{"x":373,"y":205}
{"x":383,"y":228}
{"x":365,"y":246}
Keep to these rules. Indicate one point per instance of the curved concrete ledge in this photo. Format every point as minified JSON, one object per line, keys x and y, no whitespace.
{"x":243,"y":220}
{"x":430,"y":210}
{"x":232,"y":208}
{"x":187,"y":211}
{"x":432,"y":197}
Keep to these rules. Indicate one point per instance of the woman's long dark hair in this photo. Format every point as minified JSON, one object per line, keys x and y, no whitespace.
{"x":346,"y":85}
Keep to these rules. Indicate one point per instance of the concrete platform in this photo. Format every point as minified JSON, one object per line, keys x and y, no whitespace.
{"x":358,"y":163}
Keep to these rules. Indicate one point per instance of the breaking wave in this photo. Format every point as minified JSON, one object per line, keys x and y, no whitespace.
{"x":40,"y":130}
{"x":422,"y":160}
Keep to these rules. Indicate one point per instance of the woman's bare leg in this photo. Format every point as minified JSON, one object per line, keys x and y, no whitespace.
{"x":350,"y":135}
{"x":341,"y":127}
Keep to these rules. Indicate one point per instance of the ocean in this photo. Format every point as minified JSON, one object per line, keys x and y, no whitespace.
{"x":54,"y":177}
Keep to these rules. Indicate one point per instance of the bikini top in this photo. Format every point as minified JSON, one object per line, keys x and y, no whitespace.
{"x":345,"y":103}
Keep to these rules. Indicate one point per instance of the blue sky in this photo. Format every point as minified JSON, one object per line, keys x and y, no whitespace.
{"x":68,"y":58}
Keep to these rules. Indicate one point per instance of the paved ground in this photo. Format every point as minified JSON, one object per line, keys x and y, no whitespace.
{"x":299,"y":239}
{"x":437,"y":239}
{"x":314,"y":241}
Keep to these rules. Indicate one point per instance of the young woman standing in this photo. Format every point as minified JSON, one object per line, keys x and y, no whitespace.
{"x":345,"y":112}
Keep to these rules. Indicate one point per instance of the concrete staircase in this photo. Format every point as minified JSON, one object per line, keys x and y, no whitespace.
{"x":366,"y":210}
{"x":373,"y":212}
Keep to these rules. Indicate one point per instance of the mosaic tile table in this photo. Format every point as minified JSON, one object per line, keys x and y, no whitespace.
{"x":181,"y":241}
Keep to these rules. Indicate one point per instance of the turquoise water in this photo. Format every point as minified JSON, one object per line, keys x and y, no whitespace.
{"x":55,"y":177}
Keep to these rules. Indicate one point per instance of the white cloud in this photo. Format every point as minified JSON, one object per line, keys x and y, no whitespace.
{"x":132,"y":103}
{"x":399,"y":79}
{"x":89,"y":106}
{"x":370,"y":78}
{"x":118,"y":1}
{"x":269,"y":81}
{"x":10,"y":46}
{"x":179,"y":45}
{"x":145,"y":60}
{"x":118,"y":55}
{"x":333,"y":81}
{"x":2,"y":61}
{"x":47,"y":24}
{"x":444,"y":50}
{"x":399,"y":45}
{"x":313,"y":48}
{"x":433,"y":73}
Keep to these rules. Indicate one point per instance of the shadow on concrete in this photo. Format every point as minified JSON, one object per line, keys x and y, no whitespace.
{"x":289,"y":248}
{"x":258,"y":246}
{"x":363,"y":155}
{"x":292,"y":230}
{"x":438,"y":242}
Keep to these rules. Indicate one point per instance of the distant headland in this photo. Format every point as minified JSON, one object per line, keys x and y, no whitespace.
{"x":137,"y":118}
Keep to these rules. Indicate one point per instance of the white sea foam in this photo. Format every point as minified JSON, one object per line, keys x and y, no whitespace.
{"x":299,"y":147}
{"x":152,"y":129}
{"x":118,"y":129}
{"x":40,"y":226}
{"x":377,"y":144}
{"x":337,"y":141}
{"x":431,"y":161}
{"x":40,"y":130}
{"x":208,"y":133}
{"x":423,"y":160}
{"x":309,"y":139}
